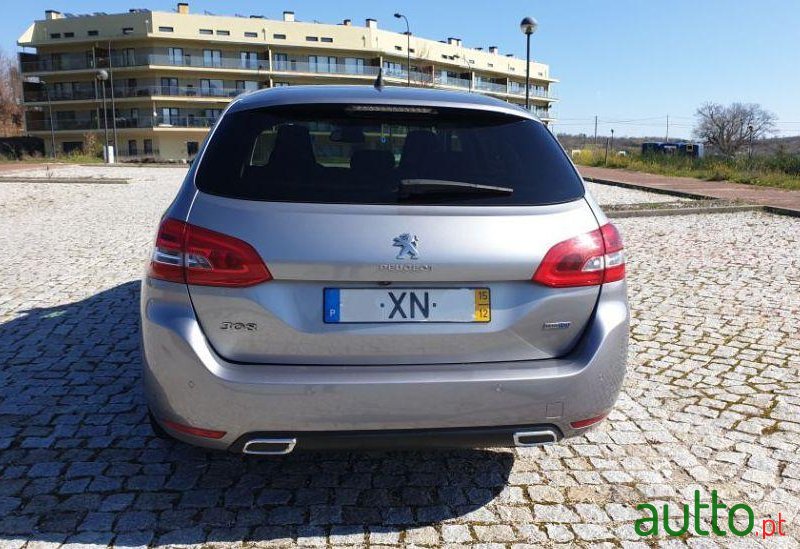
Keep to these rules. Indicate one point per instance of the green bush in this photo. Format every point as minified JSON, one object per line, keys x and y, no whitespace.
{"x":777,"y":170}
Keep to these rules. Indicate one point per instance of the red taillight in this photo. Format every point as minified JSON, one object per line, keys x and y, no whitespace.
{"x":194,"y":431}
{"x":580,"y":424}
{"x":585,"y":260}
{"x":194,"y":255}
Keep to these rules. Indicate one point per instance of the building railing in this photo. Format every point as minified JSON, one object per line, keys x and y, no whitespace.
{"x":201,"y":61}
{"x":184,"y":121}
{"x":453,"y":82}
{"x":323,"y":68}
{"x":494,"y":87}
{"x":33,"y":96}
{"x":122,"y":122}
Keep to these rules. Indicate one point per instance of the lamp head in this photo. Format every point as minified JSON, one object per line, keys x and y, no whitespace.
{"x":528,"y":25}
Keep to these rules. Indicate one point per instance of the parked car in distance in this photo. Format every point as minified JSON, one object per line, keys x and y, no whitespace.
{"x":352,"y":267}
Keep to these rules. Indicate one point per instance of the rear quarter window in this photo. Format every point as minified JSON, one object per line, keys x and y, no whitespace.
{"x":383,"y":154}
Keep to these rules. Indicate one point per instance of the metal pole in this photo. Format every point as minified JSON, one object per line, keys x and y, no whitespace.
{"x":666,"y":138}
{"x":113,"y":104}
{"x":528,"y":72}
{"x":605,"y":161}
{"x":105,"y":121}
{"x":52,"y":128}
{"x":750,"y":145}
{"x":408,"y":47}
{"x":408,"y":53}
{"x":595,"y":131}
{"x":612,"y":140}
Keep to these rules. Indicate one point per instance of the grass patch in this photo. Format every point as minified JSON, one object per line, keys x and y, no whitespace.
{"x":779,"y":170}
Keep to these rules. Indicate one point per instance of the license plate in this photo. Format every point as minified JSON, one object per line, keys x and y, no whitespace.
{"x":406,"y":305}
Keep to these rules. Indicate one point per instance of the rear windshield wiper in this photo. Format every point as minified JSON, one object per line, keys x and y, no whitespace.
{"x":438,"y":186}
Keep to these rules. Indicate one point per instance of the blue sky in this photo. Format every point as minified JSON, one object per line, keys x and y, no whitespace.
{"x":631,"y":62}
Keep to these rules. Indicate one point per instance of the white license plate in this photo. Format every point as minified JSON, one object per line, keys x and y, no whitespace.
{"x":406,"y":305}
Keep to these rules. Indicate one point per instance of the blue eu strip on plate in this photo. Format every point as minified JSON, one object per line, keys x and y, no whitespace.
{"x":331,"y":305}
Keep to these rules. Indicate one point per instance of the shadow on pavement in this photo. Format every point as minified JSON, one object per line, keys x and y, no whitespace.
{"x":79,"y":463}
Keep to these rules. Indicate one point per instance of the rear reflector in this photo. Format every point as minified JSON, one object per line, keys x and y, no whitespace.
{"x":585,"y":260}
{"x":587,"y":422}
{"x":194,"y":431}
{"x":194,"y":255}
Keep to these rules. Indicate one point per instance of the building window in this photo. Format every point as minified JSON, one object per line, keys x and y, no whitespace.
{"x":55,"y":35}
{"x":312,"y":39}
{"x":248,"y":59}
{"x":354,"y":65}
{"x":211,"y":87}
{"x":251,"y":35}
{"x":212,"y":58}
{"x":166,"y":29}
{"x":69,"y":35}
{"x":148,"y":146}
{"x":170,"y":116}
{"x":321,"y":63}
{"x":133,"y":149}
{"x":125,"y":57}
{"x":246,"y":85}
{"x":175,"y":56}
{"x":327,"y":39}
{"x":169,"y":86}
{"x":279,"y":36}
{"x":281,"y":61}
{"x":393,"y":69}
{"x":223,"y":33}
{"x":92,"y":33}
{"x":398,"y":48}
{"x":206,"y":31}
{"x":127,"y":30}
{"x":212,"y":114}
{"x":280,"y":84}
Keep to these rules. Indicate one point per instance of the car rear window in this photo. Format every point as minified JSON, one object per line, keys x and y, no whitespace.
{"x":384,"y":154}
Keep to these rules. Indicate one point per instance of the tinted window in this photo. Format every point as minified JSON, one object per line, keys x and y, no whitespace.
{"x":361,"y":154}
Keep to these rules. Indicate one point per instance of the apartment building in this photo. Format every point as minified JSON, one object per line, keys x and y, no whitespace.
{"x":168,"y":75}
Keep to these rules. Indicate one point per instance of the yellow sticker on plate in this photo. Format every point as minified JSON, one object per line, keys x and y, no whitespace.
{"x":483,"y":310}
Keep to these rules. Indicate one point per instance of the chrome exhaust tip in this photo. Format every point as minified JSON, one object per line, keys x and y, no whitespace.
{"x":269,"y":446}
{"x":527,"y":439}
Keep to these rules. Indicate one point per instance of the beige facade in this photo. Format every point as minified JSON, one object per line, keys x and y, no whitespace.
{"x":171,"y":74}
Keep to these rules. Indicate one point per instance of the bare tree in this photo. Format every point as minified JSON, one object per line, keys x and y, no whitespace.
{"x":729,"y":128}
{"x":10,"y":96}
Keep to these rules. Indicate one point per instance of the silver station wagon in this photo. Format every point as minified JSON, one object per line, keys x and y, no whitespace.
{"x":357,"y":267}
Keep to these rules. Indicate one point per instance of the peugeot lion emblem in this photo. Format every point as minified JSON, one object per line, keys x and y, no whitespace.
{"x":408,"y":246}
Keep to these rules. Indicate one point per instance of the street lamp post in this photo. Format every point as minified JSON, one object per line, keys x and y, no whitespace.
{"x":528,"y":26}
{"x":612,"y":140}
{"x":50,"y":113}
{"x":408,"y":47}
{"x":102,"y":77}
{"x":750,"y":145}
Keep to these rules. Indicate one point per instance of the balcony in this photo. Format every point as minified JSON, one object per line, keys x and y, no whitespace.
{"x":123,"y":92}
{"x":324,"y":68}
{"x":89,"y":124}
{"x":452,"y":82}
{"x":183,"y":121}
{"x":201,"y":61}
{"x":491,"y":87}
{"x":520,"y":92}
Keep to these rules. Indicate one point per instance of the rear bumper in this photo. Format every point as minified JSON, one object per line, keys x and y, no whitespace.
{"x":188,"y":383}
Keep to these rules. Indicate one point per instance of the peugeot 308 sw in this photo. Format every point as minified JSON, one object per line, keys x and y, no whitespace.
{"x":362,"y":267}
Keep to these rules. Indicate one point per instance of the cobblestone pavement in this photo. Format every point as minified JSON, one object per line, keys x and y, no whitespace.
{"x":711,"y":402}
